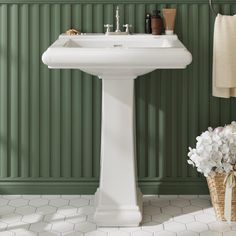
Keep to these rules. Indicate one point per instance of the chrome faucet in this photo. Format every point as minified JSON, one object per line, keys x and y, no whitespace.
{"x":117,"y":20}
{"x":117,"y":31}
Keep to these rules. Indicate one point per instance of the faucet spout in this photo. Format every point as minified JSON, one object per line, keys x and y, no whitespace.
{"x":117,"y":20}
{"x":117,"y":31}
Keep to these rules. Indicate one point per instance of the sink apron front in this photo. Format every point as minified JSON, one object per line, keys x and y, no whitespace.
{"x":118,"y":201}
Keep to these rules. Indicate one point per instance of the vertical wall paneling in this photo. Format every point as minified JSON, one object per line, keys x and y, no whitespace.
{"x":76,"y":120}
{"x":139,"y":20}
{"x":163,"y":124}
{"x":3,"y":90}
{"x":167,"y":81}
{"x":97,"y":21}
{"x":44,"y":88}
{"x":76,"y":17}
{"x":150,"y":8}
{"x":87,"y":128}
{"x":175,"y":77}
{"x":108,"y":14}
{"x":152,"y":126}
{"x":55,"y":100}
{"x":130,"y":16}
{"x":50,"y":120}
{"x":204,"y":66}
{"x":24,"y":90}
{"x":194,"y":74}
{"x":141,"y":126}
{"x":34,"y":80}
{"x":174,"y":123}
{"x":87,"y":111}
{"x":13,"y":92}
{"x":66,"y":103}
{"x":162,"y":129}
{"x":183,"y":142}
{"x":76,"y":106}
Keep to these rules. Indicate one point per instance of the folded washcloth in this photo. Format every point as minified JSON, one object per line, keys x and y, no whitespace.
{"x":224,"y":57}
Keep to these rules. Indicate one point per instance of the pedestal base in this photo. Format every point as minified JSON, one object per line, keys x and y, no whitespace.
{"x":127,"y":215}
{"x":118,"y":200}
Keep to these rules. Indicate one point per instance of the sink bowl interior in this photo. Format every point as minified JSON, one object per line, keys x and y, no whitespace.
{"x":107,"y":43}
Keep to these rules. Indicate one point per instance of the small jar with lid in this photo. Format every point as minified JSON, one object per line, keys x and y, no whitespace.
{"x":156,"y":23}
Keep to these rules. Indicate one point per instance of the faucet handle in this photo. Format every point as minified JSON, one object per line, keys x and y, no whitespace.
{"x":127,"y":28}
{"x":108,"y":26}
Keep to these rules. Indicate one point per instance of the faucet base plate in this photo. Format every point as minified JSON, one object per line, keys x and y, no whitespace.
{"x":117,"y":33}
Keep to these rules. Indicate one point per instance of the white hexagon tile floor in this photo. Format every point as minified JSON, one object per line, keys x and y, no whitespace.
{"x":72,"y":215}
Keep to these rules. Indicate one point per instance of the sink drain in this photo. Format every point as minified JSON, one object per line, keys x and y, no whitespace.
{"x":117,"y":46}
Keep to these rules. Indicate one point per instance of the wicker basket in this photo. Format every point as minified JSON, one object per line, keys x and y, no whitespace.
{"x":217,"y":192}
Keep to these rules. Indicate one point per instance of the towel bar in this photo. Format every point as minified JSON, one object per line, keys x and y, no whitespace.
{"x":212,"y":8}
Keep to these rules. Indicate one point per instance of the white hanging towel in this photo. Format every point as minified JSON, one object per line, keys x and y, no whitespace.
{"x":224,"y":57}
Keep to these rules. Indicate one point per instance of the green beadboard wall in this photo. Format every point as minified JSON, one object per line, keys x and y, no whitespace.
{"x":50,"y":120}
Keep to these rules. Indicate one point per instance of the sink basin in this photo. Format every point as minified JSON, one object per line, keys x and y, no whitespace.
{"x":132,"y":54}
{"x":117,"y":60}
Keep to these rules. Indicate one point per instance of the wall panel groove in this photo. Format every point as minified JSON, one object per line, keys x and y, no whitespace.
{"x":50,"y":120}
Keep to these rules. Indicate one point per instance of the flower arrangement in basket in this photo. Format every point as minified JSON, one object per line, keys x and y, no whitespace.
{"x":215,"y":157}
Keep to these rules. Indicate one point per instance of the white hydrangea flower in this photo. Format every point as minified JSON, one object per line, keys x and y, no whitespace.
{"x":215,"y":150}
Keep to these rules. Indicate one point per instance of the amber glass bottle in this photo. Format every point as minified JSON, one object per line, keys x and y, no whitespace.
{"x":156,"y":23}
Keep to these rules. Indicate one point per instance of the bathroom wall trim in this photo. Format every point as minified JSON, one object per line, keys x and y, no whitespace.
{"x":110,"y":1}
{"x":89,"y":186}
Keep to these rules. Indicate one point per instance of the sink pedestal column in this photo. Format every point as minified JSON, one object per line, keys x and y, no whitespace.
{"x":118,"y":201}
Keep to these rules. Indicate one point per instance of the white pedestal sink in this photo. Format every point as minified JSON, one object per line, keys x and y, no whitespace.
{"x":117,"y":60}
